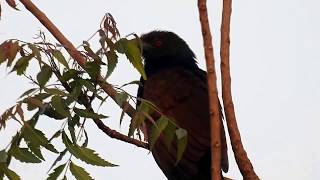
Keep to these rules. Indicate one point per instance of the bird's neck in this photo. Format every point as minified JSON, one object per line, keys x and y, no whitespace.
{"x":155,"y":65}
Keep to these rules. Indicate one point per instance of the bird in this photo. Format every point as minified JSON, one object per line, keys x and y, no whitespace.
{"x":178,"y":88}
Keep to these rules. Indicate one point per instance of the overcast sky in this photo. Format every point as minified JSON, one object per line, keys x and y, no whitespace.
{"x":275,"y":72}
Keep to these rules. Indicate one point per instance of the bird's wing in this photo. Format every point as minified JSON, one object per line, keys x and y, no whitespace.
{"x":182,"y":95}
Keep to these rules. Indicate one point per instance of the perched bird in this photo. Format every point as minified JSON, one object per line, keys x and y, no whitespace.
{"x":177,"y":86}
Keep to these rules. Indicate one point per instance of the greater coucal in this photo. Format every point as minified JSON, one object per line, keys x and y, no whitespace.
{"x":177,"y":86}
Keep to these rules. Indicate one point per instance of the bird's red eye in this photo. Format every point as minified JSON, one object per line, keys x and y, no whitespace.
{"x":157,"y":43}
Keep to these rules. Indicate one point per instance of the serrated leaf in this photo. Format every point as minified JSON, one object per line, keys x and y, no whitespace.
{"x":59,"y":56}
{"x":56,"y":172}
{"x":79,"y":172}
{"x":35,"y":149}
{"x":90,"y":52}
{"x":3,"y":156}
{"x":35,"y":51}
{"x":133,"y":53}
{"x":5,"y":116}
{"x":55,"y":91}
{"x":55,"y":135}
{"x":137,"y":82}
{"x":112,"y":59}
{"x":22,"y":64}
{"x":12,"y":52}
{"x":156,"y":130}
{"x":19,"y":111}
{"x":23,"y":154}
{"x":33,"y":103}
{"x":60,"y":106}
{"x":59,"y":158}
{"x":121,"y":98}
{"x":87,"y":114}
{"x":71,"y":123}
{"x":70,"y":74}
{"x":44,"y":75}
{"x":50,"y":112}
{"x":169,"y":134}
{"x":86,"y":83}
{"x":85,"y":154}
{"x":140,"y":116}
{"x":93,"y":69}
{"x":181,"y":143}
{"x":11,"y":175}
{"x":36,"y":137}
{"x":29,"y":91}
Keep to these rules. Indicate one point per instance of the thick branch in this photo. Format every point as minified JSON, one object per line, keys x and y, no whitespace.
{"x":76,"y":55}
{"x":212,"y":90}
{"x":241,"y":157}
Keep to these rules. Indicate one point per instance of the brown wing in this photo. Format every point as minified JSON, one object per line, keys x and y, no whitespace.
{"x":182,"y":95}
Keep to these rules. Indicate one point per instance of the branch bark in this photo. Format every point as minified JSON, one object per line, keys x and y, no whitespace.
{"x":241,"y":157}
{"x":212,"y":91}
{"x":76,"y":55}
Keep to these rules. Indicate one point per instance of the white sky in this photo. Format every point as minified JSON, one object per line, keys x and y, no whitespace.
{"x":275,"y":72}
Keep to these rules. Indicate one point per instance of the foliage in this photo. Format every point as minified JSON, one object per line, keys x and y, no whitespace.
{"x":61,"y":90}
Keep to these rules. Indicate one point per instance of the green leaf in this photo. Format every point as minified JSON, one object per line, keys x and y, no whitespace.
{"x":86,"y":83}
{"x":60,"y":106}
{"x":112,"y":59}
{"x":55,"y":91}
{"x":55,"y":135}
{"x":11,"y":175}
{"x":85,"y":154}
{"x":28,"y":92}
{"x":87,"y":114}
{"x":71,"y":123}
{"x":59,"y":158}
{"x":182,"y":143}
{"x":156,"y":129}
{"x":169,"y":134}
{"x":93,"y":69}
{"x":121,"y":98}
{"x":59,"y":56}
{"x":140,"y":116}
{"x":22,"y":64}
{"x":90,"y":52}
{"x":23,"y":154}
{"x":36,"y":137}
{"x":56,"y":172}
{"x":3,"y":156}
{"x":44,"y":75}
{"x":50,"y":112}
{"x":35,"y":51}
{"x":79,"y":172}
{"x":70,"y":74}
{"x":133,"y":82}
{"x":133,"y":53}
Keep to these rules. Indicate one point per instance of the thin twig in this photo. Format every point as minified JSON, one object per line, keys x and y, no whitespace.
{"x":240,"y":154}
{"x":212,"y":90}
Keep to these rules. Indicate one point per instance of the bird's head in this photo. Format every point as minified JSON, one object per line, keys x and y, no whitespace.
{"x":164,"y":45}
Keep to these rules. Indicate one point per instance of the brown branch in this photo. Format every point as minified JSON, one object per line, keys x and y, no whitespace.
{"x":76,"y":55}
{"x":212,"y":90}
{"x":241,"y":157}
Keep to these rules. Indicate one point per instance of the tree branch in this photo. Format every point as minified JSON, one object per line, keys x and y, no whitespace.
{"x":212,"y":90}
{"x":241,"y":157}
{"x":76,"y":55}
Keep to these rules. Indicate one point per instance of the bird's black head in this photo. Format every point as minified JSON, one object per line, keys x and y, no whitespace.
{"x":165,"y":49}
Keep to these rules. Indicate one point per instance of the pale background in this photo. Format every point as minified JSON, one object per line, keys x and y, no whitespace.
{"x":275,"y":72}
